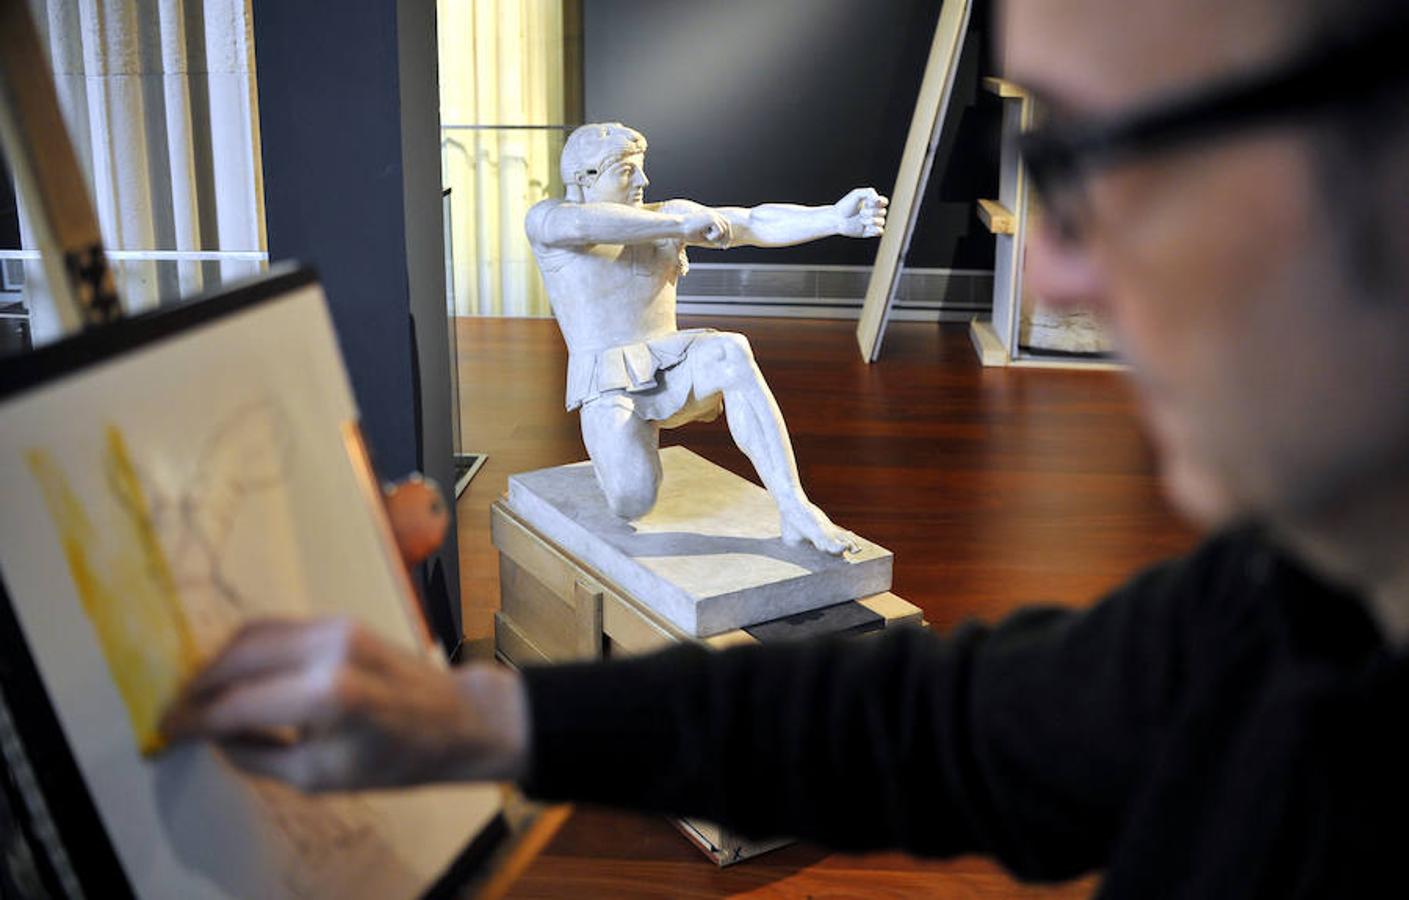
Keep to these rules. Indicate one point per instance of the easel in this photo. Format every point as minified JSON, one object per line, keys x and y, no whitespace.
{"x":80,"y":285}
{"x":49,"y":180}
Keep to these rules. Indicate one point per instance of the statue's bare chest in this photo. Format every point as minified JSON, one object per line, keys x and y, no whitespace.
{"x":638,"y":270}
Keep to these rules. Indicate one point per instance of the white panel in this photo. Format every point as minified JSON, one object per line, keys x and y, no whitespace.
{"x":926,"y":126}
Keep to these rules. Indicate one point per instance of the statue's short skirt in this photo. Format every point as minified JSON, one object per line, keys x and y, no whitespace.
{"x":644,"y":377}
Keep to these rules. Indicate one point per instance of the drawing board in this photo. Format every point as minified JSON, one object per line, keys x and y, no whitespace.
{"x":926,"y":128}
{"x":166,"y":478}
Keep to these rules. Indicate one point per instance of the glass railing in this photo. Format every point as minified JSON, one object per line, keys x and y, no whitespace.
{"x":496,"y":173}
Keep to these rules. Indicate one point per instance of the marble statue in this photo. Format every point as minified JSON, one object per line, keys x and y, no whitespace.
{"x":610,"y":263}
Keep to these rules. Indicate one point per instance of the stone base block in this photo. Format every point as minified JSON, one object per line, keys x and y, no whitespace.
{"x":709,"y":558}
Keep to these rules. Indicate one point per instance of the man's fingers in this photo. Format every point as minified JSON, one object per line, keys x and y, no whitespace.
{"x":299,"y":702}
{"x":258,"y":647}
{"x":294,"y":764}
{"x":272,"y":645}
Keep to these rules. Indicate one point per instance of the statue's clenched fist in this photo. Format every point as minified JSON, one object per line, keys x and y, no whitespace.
{"x":707,"y":227}
{"x":862,"y":213}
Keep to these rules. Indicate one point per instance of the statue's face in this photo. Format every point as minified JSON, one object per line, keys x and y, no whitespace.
{"x":623,"y":181}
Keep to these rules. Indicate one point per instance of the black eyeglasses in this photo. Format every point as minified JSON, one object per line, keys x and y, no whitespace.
{"x":1059,"y":156}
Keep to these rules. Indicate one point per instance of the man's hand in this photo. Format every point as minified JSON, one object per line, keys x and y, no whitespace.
{"x":706,"y":227}
{"x":862,"y":213}
{"x":327,"y":705}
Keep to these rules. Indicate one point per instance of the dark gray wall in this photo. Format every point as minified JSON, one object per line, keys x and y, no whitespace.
{"x":793,"y":100}
{"x":9,"y":209}
{"x":425,"y":268}
{"x":332,"y":121}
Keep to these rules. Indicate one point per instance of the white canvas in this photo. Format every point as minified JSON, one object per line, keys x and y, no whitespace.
{"x":236,"y":433}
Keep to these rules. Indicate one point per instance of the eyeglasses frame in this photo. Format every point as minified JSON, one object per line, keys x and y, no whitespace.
{"x":1312,"y":83}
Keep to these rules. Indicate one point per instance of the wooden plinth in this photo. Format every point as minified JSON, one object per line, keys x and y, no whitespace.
{"x":555,"y":609}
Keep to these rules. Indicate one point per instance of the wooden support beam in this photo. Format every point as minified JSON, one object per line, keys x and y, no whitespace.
{"x":1003,"y":88}
{"x":587,"y":606}
{"x":893,"y":609}
{"x":46,"y":170}
{"x":986,"y":343}
{"x":996,"y":217}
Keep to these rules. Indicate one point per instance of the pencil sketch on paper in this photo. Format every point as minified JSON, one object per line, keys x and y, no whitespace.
{"x":155,"y":575}
{"x":155,"y":501}
{"x":158,"y":569}
{"x":321,"y":833}
{"x":123,"y":582}
{"x":211,"y":516}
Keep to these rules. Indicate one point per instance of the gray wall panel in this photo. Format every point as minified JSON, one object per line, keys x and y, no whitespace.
{"x":793,"y":100}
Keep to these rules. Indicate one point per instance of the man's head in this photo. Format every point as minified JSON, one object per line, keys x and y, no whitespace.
{"x":604,"y":162}
{"x":1267,"y":328}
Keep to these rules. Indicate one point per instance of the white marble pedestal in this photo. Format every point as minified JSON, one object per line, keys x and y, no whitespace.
{"x":709,"y":558}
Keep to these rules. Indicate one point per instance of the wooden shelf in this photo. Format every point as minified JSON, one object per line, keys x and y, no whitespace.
{"x":996,"y":217}
{"x":1004,"y":88}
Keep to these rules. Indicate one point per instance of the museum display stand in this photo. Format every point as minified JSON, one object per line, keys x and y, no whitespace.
{"x":1007,"y":339}
{"x":706,"y":565}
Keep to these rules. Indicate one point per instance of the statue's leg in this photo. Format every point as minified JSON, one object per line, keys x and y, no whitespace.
{"x":723,"y":363}
{"x":625,"y":452}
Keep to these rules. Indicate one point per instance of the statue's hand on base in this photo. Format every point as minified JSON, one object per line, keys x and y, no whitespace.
{"x":862,"y":213}
{"x":806,"y":524}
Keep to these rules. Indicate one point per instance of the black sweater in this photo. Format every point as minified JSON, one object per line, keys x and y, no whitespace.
{"x":1222,"y":726}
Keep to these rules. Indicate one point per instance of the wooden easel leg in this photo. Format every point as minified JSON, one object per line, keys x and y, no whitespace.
{"x":60,"y":212}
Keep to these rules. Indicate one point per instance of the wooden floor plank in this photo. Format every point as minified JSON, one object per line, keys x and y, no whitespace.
{"x":993,"y":487}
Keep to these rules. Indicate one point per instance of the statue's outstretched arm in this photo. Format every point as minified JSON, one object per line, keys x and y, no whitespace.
{"x":861,"y":213}
{"x":566,"y":224}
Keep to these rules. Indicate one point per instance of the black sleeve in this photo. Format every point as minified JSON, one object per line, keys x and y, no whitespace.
{"x":1023,"y":740}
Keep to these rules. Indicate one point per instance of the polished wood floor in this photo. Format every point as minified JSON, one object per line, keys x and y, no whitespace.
{"x":993,"y":487}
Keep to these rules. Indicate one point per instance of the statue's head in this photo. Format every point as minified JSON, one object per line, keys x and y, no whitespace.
{"x":604,"y":162}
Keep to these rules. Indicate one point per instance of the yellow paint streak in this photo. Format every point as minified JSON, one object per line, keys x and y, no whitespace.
{"x":125,"y":587}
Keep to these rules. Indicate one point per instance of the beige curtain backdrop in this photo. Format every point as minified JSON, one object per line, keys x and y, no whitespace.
{"x":501,"y":100}
{"x":159,"y":98}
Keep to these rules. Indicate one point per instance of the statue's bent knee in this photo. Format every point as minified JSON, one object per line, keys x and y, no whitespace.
{"x":735,"y":356}
{"x":630,"y":498}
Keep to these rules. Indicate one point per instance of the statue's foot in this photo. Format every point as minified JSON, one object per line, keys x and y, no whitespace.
{"x":806,"y":524}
